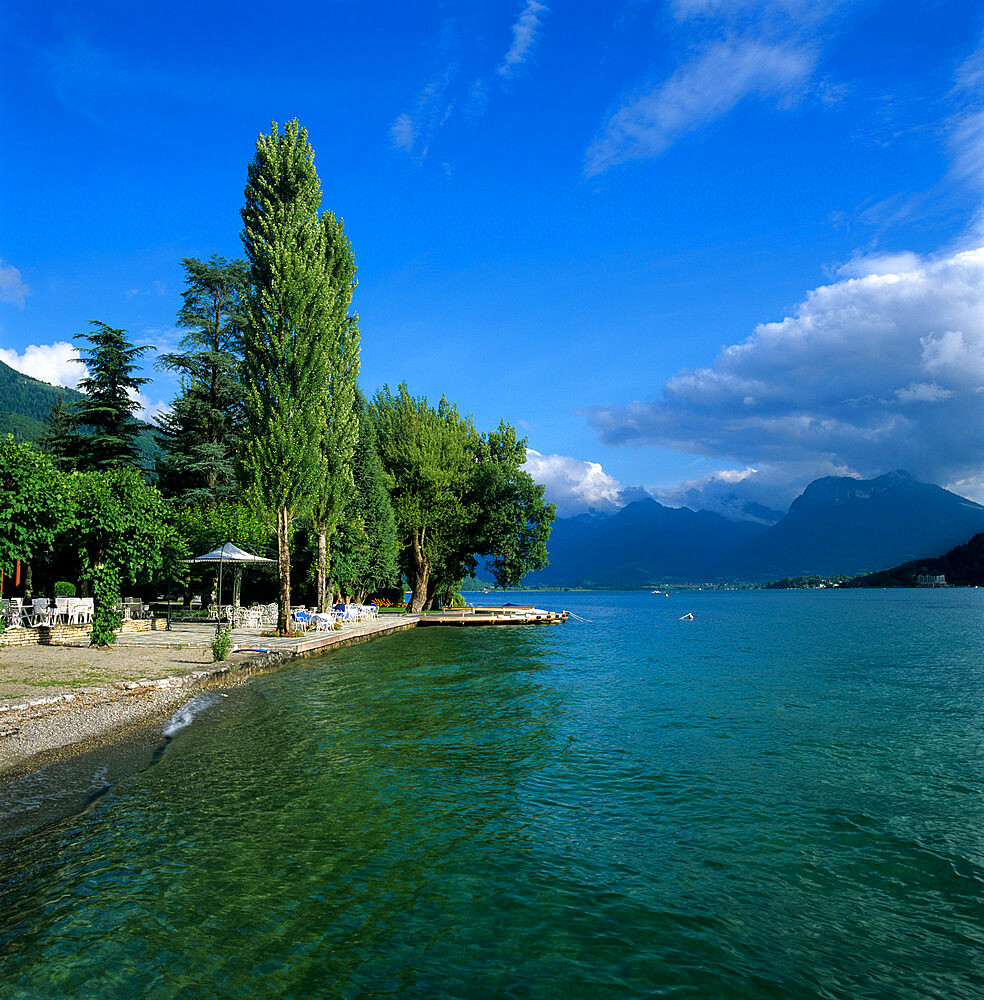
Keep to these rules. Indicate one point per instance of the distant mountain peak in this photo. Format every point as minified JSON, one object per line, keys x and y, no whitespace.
{"x":839,"y":489}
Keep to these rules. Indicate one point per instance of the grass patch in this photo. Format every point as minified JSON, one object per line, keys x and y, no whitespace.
{"x":80,"y":680}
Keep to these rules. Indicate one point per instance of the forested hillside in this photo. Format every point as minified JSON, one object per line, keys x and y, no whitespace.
{"x":25,"y":403}
{"x":962,"y":566}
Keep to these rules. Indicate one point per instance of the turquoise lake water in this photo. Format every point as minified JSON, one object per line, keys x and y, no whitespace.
{"x":781,"y":798}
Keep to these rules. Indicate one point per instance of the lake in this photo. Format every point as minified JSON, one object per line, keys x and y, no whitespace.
{"x":781,"y":798}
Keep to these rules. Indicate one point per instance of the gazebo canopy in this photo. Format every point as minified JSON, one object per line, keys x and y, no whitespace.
{"x":228,"y":553}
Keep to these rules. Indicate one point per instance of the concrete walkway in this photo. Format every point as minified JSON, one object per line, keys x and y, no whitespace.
{"x":201,"y":634}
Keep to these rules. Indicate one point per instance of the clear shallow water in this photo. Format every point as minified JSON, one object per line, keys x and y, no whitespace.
{"x":782,"y":798}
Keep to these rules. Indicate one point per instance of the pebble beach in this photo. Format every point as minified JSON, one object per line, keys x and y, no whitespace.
{"x":58,"y":700}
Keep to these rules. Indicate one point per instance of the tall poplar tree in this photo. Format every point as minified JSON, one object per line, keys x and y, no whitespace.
{"x":284,"y":359}
{"x":106,"y":417}
{"x":337,"y":487}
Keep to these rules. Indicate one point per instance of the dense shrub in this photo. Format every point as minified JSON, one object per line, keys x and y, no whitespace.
{"x":222,"y":644}
{"x":64,"y":589}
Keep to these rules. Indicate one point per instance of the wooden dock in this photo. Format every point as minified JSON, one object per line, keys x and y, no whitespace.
{"x":510,"y":614}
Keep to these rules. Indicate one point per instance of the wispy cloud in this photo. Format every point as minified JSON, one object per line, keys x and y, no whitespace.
{"x":524,"y":35}
{"x":966,"y":138}
{"x":731,"y":10}
{"x":446,"y":95}
{"x":12,"y":287}
{"x":731,"y":51}
{"x":698,"y":93}
{"x":413,"y":130}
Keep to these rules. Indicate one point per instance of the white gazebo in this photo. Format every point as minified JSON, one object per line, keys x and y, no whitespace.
{"x":234,"y":555}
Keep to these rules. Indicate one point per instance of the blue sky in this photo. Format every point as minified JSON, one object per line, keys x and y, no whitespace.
{"x":711,"y":249}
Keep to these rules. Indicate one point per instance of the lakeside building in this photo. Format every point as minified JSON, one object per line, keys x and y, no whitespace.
{"x":928,"y":580}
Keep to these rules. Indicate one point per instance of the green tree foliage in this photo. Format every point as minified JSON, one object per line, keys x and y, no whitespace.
{"x":513,"y":522}
{"x":286,"y":312}
{"x":341,"y":425}
{"x":35,"y":505}
{"x":427,"y":458}
{"x":199,"y":434}
{"x":206,"y":527}
{"x":106,"y":415}
{"x":510,"y":522}
{"x":58,"y":441}
{"x":458,"y":495}
{"x":365,"y":556}
{"x":962,"y":566}
{"x":123,"y":533}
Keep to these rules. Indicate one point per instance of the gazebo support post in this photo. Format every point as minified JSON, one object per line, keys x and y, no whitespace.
{"x":218,"y":624}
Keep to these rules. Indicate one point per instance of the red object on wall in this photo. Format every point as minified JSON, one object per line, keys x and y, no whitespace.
{"x":17,"y":574}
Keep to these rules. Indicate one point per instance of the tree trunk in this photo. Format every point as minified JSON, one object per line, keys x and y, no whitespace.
{"x":419,"y":576}
{"x":28,"y":582}
{"x":237,"y":582}
{"x":322,"y":568}
{"x":283,"y":569}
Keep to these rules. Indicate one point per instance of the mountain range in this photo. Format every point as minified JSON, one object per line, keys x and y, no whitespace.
{"x":836,"y":526}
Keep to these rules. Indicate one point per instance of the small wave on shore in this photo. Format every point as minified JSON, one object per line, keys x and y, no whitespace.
{"x":187,"y":713}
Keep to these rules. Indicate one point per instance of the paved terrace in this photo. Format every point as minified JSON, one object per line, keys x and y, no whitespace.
{"x":201,"y":634}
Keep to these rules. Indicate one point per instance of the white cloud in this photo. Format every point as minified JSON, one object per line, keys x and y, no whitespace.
{"x":955,"y":356}
{"x":524,"y":31}
{"x":703,"y":90}
{"x":869,"y":374}
{"x":860,"y":266}
{"x":52,"y":363}
{"x":923,"y":392}
{"x":147,"y":409}
{"x":573,"y":484}
{"x":446,"y":96}
{"x":12,"y":287}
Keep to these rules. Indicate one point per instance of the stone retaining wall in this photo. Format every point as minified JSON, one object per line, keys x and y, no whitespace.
{"x":144,"y":625}
{"x":71,"y":635}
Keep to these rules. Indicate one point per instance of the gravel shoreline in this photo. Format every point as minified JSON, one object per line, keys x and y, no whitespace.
{"x":45,"y":717}
{"x":61,"y":701}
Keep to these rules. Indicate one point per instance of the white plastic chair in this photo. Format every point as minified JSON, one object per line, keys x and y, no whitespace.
{"x":15,"y":613}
